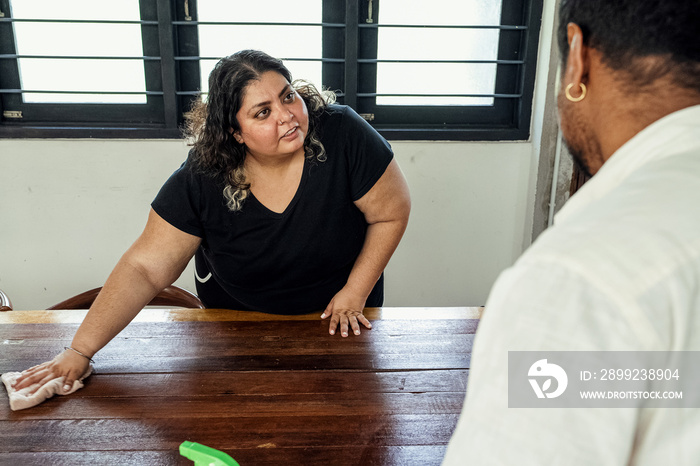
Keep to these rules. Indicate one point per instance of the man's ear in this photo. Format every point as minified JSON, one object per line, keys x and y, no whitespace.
{"x":577,"y":60}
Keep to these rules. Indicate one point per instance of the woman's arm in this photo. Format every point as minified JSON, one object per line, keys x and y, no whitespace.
{"x":154,"y":261}
{"x":386,"y":208}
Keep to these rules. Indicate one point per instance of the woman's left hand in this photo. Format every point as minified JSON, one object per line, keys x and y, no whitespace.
{"x":345,"y":309}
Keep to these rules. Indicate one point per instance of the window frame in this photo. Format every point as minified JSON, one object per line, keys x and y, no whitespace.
{"x":75,"y":120}
{"x":507,"y":119}
{"x":349,"y":52}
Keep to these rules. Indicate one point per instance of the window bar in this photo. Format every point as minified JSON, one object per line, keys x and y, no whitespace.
{"x":445,"y":26}
{"x":351,"y":53}
{"x":42,"y":91}
{"x":497,"y":96}
{"x":195,"y":93}
{"x":76,"y":57}
{"x":525,"y":43}
{"x":498,"y":62}
{"x":322,"y":60}
{"x":254,"y":23}
{"x":159,"y":93}
{"x":167,"y":53}
{"x":79,"y":21}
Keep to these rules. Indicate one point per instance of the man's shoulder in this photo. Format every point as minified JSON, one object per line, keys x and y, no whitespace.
{"x":647,"y":226}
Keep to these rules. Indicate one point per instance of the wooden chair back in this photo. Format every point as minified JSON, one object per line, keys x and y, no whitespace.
{"x":170,"y":296}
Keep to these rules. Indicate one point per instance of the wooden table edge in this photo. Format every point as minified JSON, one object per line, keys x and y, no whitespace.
{"x":76,"y":316}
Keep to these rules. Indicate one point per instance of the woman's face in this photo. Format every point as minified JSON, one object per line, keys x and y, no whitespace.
{"x":273,"y":118}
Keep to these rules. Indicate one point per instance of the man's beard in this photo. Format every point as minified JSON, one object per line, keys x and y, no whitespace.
{"x":579,"y":159}
{"x":578,"y":138}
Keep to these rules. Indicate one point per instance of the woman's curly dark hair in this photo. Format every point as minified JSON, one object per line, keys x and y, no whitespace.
{"x":208,"y":124}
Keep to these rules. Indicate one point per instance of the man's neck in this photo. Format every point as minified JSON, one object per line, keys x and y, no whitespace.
{"x":621,"y":118}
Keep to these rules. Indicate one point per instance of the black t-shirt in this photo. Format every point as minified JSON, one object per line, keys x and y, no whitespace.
{"x":295,"y":261}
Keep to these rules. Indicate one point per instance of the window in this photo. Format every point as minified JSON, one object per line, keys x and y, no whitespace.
{"x":76,"y":68}
{"x":443,"y":69}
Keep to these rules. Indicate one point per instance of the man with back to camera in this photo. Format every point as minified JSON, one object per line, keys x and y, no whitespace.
{"x":620,"y":268}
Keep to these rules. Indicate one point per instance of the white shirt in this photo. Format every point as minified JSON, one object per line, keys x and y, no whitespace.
{"x":618,"y":271}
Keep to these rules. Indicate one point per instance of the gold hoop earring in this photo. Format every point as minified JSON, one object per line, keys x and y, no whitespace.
{"x":575,"y":99}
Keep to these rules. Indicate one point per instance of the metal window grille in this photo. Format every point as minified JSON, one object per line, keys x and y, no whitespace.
{"x":349,"y":61}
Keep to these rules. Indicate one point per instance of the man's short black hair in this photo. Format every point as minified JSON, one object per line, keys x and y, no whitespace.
{"x":625,"y":31}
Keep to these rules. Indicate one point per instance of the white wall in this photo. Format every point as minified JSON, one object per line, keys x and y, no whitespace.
{"x":70,"y":208}
{"x":466,"y":223}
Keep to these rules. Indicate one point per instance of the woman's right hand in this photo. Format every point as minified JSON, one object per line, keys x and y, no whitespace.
{"x":68,"y":364}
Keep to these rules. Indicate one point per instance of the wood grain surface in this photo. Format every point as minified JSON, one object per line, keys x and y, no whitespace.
{"x":264,"y":391}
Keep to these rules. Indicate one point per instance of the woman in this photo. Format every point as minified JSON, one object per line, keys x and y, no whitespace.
{"x":289,"y":205}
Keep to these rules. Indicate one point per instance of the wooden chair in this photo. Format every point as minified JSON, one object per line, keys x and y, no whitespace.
{"x":170,"y":296}
{"x":5,"y":303}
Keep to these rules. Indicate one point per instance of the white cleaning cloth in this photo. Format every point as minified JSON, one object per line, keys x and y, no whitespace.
{"x":35,"y":394}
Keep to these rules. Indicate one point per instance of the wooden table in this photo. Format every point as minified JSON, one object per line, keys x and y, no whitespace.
{"x":265,"y":389}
